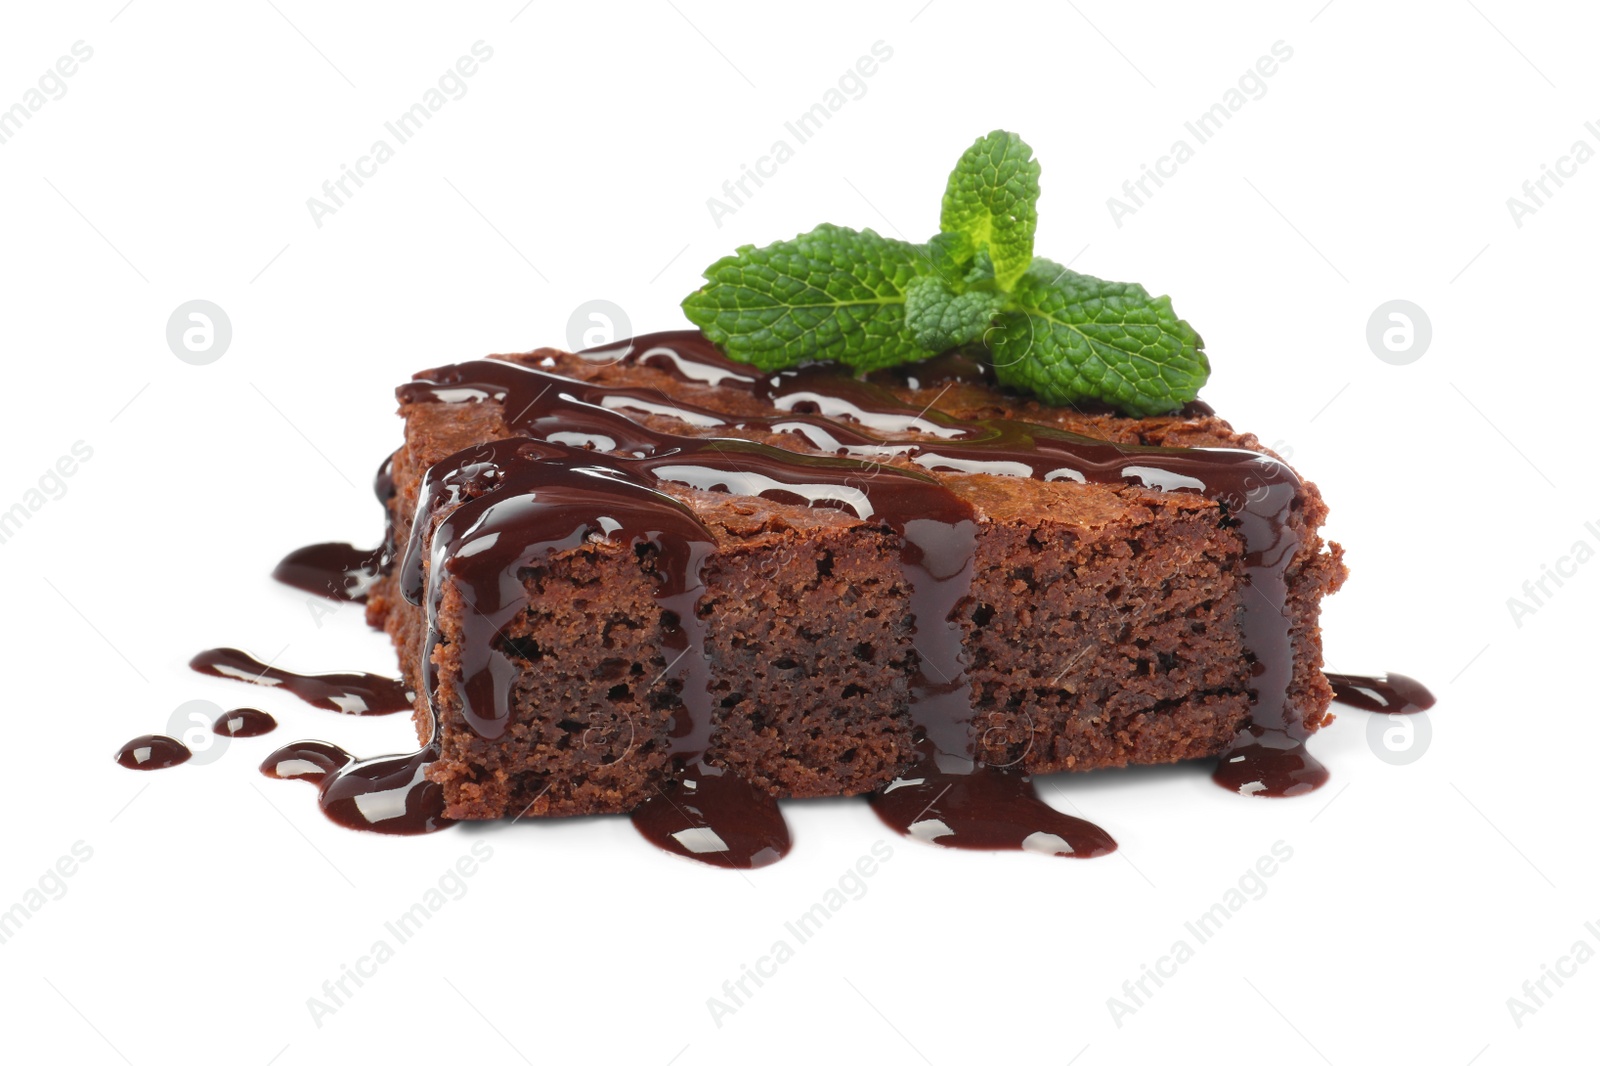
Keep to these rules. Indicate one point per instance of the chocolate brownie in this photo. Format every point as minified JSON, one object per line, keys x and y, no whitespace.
{"x":940,"y":572}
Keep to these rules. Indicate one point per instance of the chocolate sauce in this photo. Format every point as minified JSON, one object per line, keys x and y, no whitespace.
{"x":987,"y":809}
{"x":1269,"y":762}
{"x":336,"y":571}
{"x":715,"y":816}
{"x":153,"y":751}
{"x":589,"y":467}
{"x":306,"y":760}
{"x":388,"y":794}
{"x":671,"y":351}
{"x":514,"y":502}
{"x":244,"y":722}
{"x":951,"y":368}
{"x":340,"y":571}
{"x":352,"y":693}
{"x":1385,"y":693}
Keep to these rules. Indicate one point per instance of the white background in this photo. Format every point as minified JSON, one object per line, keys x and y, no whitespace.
{"x":577,"y":166}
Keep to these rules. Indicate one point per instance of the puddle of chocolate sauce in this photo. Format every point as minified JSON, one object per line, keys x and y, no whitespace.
{"x":1384,"y":693}
{"x":153,"y":751}
{"x":714,"y":816}
{"x":336,"y":571}
{"x":244,"y":722}
{"x":347,"y":693}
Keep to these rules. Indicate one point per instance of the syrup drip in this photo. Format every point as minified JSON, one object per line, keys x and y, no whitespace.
{"x":1271,"y":762}
{"x":306,"y":760}
{"x":986,"y":809}
{"x":339,"y":571}
{"x":715,"y":816}
{"x":1385,"y":693}
{"x":350,"y":693}
{"x":153,"y":751}
{"x":244,"y":722}
{"x":335,"y":571}
{"x":388,"y":794}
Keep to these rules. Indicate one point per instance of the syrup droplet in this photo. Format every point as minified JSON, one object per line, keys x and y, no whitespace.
{"x":349,"y":693}
{"x":153,"y":751}
{"x":306,"y":760}
{"x":336,"y":571}
{"x":985,"y":809}
{"x":244,"y":722}
{"x":1385,"y":693}
{"x":715,"y":817}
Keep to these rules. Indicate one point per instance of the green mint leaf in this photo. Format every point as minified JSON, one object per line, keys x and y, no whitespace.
{"x":951,"y":255}
{"x":991,"y":198}
{"x":940,"y":319}
{"x":832,"y":294}
{"x":1070,"y":337}
{"x":869,"y":302}
{"x":980,"y":272}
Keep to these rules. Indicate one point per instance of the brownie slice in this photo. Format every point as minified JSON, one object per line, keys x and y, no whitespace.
{"x":1101,"y":628}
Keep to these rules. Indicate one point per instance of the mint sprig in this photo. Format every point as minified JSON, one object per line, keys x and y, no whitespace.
{"x":940,"y":320}
{"x":989,"y":200}
{"x":854,"y":297}
{"x":833,"y":294}
{"x":1069,"y":336}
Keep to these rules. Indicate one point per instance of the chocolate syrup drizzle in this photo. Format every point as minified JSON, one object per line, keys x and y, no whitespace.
{"x":244,"y":722}
{"x":388,"y":794}
{"x":347,"y":693}
{"x":714,"y":815}
{"x":153,"y":751}
{"x":336,"y":571}
{"x":306,"y":760}
{"x":340,"y":571}
{"x":1383,"y":693}
{"x":585,"y":468}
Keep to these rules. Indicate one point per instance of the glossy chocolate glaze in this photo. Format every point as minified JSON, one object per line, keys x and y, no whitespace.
{"x":336,"y":571}
{"x":340,"y":571}
{"x":512,"y":502}
{"x":1385,"y":693}
{"x":983,"y":808}
{"x":244,"y":722}
{"x":306,"y":760}
{"x":347,"y":693}
{"x":153,"y":751}
{"x":387,"y":794}
{"x":715,"y":816}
